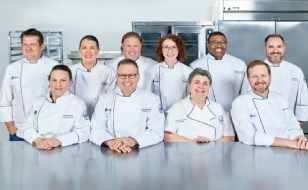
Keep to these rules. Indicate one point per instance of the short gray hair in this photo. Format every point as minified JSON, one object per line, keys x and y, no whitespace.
{"x":199,"y":71}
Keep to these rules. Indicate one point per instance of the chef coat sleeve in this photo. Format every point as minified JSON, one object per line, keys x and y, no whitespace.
{"x":293,"y":125}
{"x":301,"y":107}
{"x":28,"y":130}
{"x":112,"y":81}
{"x":154,"y":129}
{"x":6,"y":98}
{"x":81,"y":130}
{"x":228,"y":127}
{"x":99,"y":123}
{"x":245,"y":128}
{"x":170,"y":123}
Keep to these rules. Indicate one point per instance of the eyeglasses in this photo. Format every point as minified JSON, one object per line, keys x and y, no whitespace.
{"x":166,"y":48}
{"x":215,"y":43}
{"x":131,"y":76}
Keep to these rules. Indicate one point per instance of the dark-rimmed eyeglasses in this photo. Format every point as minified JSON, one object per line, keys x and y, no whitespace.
{"x":131,"y":76}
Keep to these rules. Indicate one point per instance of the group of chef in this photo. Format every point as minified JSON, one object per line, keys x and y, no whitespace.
{"x":133,"y":101}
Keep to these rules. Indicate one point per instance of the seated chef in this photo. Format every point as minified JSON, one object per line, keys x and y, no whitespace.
{"x":58,"y":118}
{"x":263,"y":117}
{"x":196,"y":118}
{"x":128,"y":116}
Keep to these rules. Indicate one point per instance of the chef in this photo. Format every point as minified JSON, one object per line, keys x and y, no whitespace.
{"x":132,"y":49}
{"x":168,"y":79}
{"x":227,"y":71}
{"x":57,"y":118}
{"x":263,"y":117}
{"x":90,"y":77}
{"x":23,"y":81}
{"x":196,"y":118}
{"x":129,"y":116}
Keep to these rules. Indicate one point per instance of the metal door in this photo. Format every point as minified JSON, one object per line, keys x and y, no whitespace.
{"x":246,"y":39}
{"x":150,"y":36}
{"x":296,"y":40}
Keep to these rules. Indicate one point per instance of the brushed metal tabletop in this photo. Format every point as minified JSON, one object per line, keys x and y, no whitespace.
{"x":163,"y":166}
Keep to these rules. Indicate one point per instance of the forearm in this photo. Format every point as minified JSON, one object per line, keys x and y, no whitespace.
{"x":170,"y":137}
{"x":11,"y":127}
{"x":281,"y":142}
{"x":226,"y":139}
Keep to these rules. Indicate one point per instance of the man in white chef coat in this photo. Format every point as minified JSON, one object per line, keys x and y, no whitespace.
{"x":287,"y":78}
{"x":23,"y":81}
{"x":132,"y":49}
{"x":263,"y":117}
{"x":228,"y":72}
{"x":128,"y":116}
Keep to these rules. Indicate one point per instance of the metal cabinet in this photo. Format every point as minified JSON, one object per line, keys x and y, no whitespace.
{"x":194,"y":35}
{"x":53,"y":42}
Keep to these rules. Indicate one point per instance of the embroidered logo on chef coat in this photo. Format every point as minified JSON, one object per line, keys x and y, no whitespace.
{"x":294,"y":79}
{"x":251,"y":116}
{"x":106,"y":109}
{"x":85,"y":115}
{"x":180,"y":120}
{"x":285,"y":109}
{"x":239,"y":72}
{"x":160,"y":108}
{"x":221,"y":120}
{"x":14,"y":77}
{"x":68,"y":116}
{"x":145,"y":110}
{"x":155,"y":81}
{"x":104,"y":83}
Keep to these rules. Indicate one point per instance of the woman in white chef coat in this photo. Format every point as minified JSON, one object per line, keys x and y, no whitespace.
{"x":58,"y":118}
{"x":90,"y":77}
{"x":168,"y":79}
{"x":196,"y":118}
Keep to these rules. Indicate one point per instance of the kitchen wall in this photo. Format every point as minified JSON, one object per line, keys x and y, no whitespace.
{"x":107,"y":20}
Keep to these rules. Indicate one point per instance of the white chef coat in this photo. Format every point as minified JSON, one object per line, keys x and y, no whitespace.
{"x":186,"y":119}
{"x":227,"y":77}
{"x":170,"y":84}
{"x":143,"y":63}
{"x":66,"y":120}
{"x":89,"y":85}
{"x":137,"y":116}
{"x":22,"y":82}
{"x":258,"y":121}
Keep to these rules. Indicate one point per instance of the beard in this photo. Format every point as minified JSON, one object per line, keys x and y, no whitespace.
{"x":276,"y":59}
{"x":261,"y":89}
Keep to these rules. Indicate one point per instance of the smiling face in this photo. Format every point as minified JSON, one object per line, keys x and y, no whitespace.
{"x":59,"y":83}
{"x":88,"y":51}
{"x":170,"y":51}
{"x":127,"y":85}
{"x":274,"y":49}
{"x":132,"y":48}
{"x":218,"y":50}
{"x":259,"y":79}
{"x":31,"y":48}
{"x":199,"y":88}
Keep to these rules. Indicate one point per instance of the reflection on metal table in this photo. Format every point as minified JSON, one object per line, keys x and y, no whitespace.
{"x":163,"y":166}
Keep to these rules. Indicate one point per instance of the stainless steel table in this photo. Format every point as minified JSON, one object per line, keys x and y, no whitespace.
{"x":163,"y":166}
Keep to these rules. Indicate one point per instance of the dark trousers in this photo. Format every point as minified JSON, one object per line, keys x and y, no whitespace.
{"x":15,"y":138}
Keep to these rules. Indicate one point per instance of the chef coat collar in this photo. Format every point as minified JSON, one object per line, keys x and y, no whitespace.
{"x":133,"y":60}
{"x":165,"y":65}
{"x":59,"y":99}
{"x":206,"y":109}
{"x":271,"y":64}
{"x":190,"y":100}
{"x":256,"y":96}
{"x":83,"y":68}
{"x":38,"y":61}
{"x":214,"y":57}
{"x":133,"y":94}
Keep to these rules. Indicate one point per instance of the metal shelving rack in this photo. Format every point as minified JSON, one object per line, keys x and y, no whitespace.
{"x":53,"y":42}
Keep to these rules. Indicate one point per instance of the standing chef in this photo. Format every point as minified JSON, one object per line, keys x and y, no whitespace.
{"x":23,"y":81}
{"x":287,"y":78}
{"x":263,"y":117}
{"x":90,"y":77}
{"x":227,"y":72}
{"x":132,"y":49}
{"x":168,"y":79}
{"x":128,"y":116}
